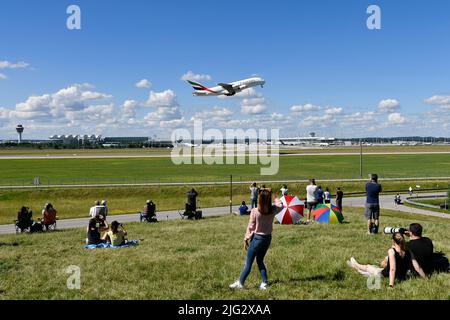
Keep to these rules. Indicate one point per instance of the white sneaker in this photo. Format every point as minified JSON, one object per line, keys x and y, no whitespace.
{"x":236,"y":285}
{"x":263,"y":286}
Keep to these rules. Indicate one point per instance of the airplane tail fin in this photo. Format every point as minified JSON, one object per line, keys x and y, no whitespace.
{"x":196,"y":85}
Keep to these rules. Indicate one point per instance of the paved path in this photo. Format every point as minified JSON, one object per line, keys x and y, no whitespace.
{"x":386,"y":202}
{"x":164,"y":215}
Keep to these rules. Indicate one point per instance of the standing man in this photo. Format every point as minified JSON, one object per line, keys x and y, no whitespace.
{"x":311,"y":200}
{"x":254,"y":190}
{"x":192,"y":199}
{"x":339,"y":197}
{"x":104,"y":209}
{"x":410,"y":191}
{"x":373,"y":189}
{"x":95,"y":210}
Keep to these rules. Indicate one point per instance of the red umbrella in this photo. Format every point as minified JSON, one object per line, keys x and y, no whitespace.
{"x":292,"y":210}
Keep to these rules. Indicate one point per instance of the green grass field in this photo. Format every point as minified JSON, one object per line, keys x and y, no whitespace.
{"x":141,"y":170}
{"x":75,"y":202}
{"x":198,"y":260}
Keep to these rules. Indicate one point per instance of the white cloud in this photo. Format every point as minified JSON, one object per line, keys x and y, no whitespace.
{"x":396,"y":118}
{"x":2,"y":76}
{"x":65,"y":105}
{"x":195,"y":77}
{"x":253,"y":106}
{"x":304,"y":108}
{"x":333,"y":110}
{"x":216,"y":113}
{"x":144,"y":83}
{"x":388,"y":105}
{"x":129,"y":108}
{"x":165,"y":98}
{"x":438,"y":100}
{"x":10,"y":65}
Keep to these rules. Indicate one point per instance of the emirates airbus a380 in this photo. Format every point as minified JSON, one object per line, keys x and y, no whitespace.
{"x":226,"y":89}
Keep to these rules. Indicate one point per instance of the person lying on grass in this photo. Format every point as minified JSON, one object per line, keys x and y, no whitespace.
{"x":395,"y":266}
{"x":116,"y":236}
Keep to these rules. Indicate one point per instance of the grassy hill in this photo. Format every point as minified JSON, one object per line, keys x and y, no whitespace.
{"x":199,"y":259}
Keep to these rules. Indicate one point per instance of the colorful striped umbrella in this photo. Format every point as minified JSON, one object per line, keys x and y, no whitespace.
{"x":328,"y":213}
{"x":292,"y":210}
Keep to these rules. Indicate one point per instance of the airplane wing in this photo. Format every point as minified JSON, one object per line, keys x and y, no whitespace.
{"x":228,"y":87}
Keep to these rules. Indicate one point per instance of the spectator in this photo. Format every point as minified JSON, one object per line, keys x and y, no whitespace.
{"x":395,"y":266}
{"x":149,"y":212}
{"x":319,"y":195}
{"x":243,"y":209}
{"x":410,"y":191}
{"x":93,"y":231}
{"x":95,"y":210}
{"x":258,"y":237}
{"x":104,"y":211}
{"x":339,"y":197}
{"x":311,"y":201}
{"x":397,"y":199}
{"x":48,"y":215}
{"x":284,"y":190}
{"x":327,"y":196}
{"x":192,"y":200}
{"x":116,"y":236}
{"x":24,"y":218}
{"x":421,"y":247}
{"x":254,"y":190}
{"x":373,"y":189}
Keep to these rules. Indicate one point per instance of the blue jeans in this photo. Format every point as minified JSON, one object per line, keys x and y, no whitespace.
{"x":257,"y":249}
{"x":254,"y":203}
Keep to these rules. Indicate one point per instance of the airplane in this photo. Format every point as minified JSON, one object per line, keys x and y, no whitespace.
{"x":226,"y":89}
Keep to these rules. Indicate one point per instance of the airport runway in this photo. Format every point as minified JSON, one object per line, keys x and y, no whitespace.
{"x":121,"y":156}
{"x":386,"y":202}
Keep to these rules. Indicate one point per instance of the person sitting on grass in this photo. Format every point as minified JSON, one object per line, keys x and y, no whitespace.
{"x":93,"y":231}
{"x":421,"y":247}
{"x":395,"y":266}
{"x":243,"y":209}
{"x":116,"y":236}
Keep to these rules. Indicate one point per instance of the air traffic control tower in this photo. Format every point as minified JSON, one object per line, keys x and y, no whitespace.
{"x":19,"y":130}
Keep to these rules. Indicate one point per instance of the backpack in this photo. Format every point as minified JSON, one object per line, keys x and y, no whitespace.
{"x":373,"y":228}
{"x":439,"y":262}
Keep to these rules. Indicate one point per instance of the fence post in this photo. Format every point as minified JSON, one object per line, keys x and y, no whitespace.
{"x":231,"y":193}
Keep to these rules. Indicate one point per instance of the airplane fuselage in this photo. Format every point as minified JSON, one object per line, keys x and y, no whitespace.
{"x":237,"y":87}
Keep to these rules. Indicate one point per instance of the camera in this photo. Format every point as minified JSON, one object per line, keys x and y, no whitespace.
{"x":391,"y":230}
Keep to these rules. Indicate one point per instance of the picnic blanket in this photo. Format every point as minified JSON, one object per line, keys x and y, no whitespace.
{"x":129,"y":243}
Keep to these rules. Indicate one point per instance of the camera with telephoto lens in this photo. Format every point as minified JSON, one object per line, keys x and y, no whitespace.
{"x":391,"y":230}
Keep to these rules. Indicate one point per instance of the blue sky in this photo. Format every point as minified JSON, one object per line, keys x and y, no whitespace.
{"x":325,"y":70}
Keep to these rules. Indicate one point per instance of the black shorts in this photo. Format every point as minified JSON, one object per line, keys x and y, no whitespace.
{"x":310,"y":205}
{"x":372,"y":211}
